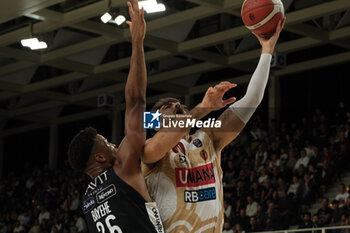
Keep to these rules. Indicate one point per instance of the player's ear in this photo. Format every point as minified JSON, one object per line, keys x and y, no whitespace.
{"x":100,"y":158}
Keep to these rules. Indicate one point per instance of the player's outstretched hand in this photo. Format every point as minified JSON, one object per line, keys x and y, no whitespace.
{"x":213,"y":98}
{"x":268,"y":44}
{"x":137,"y":24}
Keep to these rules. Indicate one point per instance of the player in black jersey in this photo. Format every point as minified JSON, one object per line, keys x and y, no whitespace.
{"x":117,"y":200}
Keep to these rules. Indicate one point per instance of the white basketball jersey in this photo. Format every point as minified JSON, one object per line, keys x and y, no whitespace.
{"x":187,"y":186}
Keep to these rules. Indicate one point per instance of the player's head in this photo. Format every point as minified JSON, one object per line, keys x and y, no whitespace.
{"x":89,"y":149}
{"x":170,"y":106}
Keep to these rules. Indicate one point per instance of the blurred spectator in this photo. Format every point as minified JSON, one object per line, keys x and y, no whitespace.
{"x":35,"y":228}
{"x":281,"y":185}
{"x":252,"y":207}
{"x":80,"y":224}
{"x":304,"y":160}
{"x":263,"y":176}
{"x":242,"y":219}
{"x":75,"y":201}
{"x":260,"y":158}
{"x":44,"y":214}
{"x":227,"y":228}
{"x":256,"y":191}
{"x":227,"y":209}
{"x":273,"y":218}
{"x":57,"y":225}
{"x":336,"y":212}
{"x":24,"y":217}
{"x":316,"y":222}
{"x":293,"y":188}
{"x":306,"y":190}
{"x":253,"y":226}
{"x":307,"y":223}
{"x":285,"y":208}
{"x":261,"y":217}
{"x":342,"y":196}
{"x":268,"y":190}
{"x":18,"y":228}
{"x":238,"y":229}
{"x":291,"y":161}
{"x":325,"y":212}
{"x":240,"y":191}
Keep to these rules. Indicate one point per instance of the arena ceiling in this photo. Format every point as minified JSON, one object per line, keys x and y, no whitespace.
{"x":185,"y":47}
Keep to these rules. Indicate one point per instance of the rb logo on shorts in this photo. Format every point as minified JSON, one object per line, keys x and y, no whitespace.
{"x":151,"y":120}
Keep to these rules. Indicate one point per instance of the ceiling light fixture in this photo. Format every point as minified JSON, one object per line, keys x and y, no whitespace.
{"x":152,"y":6}
{"x":106,"y":17}
{"x":120,"y":19}
{"x":33,"y":43}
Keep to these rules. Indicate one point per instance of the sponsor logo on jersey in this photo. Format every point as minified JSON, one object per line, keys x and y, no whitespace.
{"x":194,"y":177}
{"x":182,"y":158}
{"x":197,"y":142}
{"x":154,"y":216}
{"x":199,"y":195}
{"x":179,"y":148}
{"x":106,"y":193}
{"x":89,"y":204}
{"x":96,"y":182}
{"x":204,"y":155}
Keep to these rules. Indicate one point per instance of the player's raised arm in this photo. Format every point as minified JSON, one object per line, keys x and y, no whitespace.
{"x":237,"y":115}
{"x":135,"y":94}
{"x":164,"y":140}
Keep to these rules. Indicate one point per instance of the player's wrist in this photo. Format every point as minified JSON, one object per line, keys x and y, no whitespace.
{"x":137,"y":41}
{"x":266,"y":49}
{"x":201,"y":110}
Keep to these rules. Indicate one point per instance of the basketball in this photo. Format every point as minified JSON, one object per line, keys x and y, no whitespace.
{"x":262,"y":16}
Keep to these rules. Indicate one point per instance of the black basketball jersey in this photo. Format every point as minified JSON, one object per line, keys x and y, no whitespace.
{"x":112,"y":206}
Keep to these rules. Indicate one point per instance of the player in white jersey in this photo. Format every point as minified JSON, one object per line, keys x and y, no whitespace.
{"x":183,"y":171}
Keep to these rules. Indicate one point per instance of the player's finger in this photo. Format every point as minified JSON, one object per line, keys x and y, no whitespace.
{"x":131,"y":11}
{"x":224,"y":83}
{"x":227,"y":86}
{"x":220,"y":88}
{"x":284,"y":22}
{"x":229,"y":101}
{"x":129,"y":23}
{"x":280,"y":25}
{"x":210,"y":90}
{"x":136,"y":5}
{"x":142,"y":12}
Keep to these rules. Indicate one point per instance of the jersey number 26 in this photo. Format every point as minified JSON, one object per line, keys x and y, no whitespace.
{"x":112,"y":229}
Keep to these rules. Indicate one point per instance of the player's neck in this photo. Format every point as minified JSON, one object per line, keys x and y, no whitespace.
{"x":94,"y":171}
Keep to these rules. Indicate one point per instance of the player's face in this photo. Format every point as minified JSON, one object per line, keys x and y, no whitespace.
{"x":106,"y":148}
{"x":173,"y":108}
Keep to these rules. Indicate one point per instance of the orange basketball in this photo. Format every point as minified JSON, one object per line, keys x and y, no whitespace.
{"x":262,"y":16}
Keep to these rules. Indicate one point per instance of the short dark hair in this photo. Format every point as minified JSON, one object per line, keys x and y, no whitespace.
{"x":80,"y":148}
